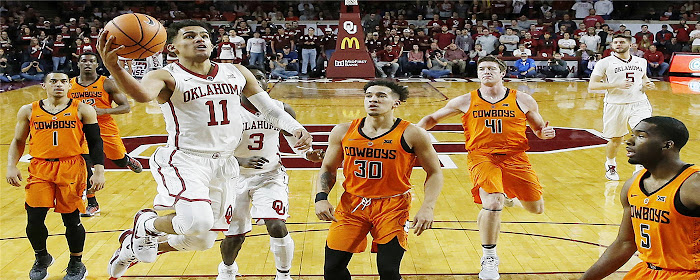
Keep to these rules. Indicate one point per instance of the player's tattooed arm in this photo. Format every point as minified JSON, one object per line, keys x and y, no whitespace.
{"x":326,"y":181}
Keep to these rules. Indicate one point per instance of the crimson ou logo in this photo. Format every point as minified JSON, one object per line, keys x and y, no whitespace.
{"x":694,"y":64}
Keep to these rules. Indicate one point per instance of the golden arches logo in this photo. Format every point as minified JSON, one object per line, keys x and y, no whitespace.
{"x":350,"y":41}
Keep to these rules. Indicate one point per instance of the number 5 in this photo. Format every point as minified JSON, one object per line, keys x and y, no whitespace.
{"x":645,"y":242}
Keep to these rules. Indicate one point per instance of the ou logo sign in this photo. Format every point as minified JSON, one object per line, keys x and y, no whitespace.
{"x":350,"y":27}
{"x":694,"y":64}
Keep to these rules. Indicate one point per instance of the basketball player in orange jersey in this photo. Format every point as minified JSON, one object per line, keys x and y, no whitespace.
{"x":99,"y":92}
{"x":57,"y":127}
{"x":378,"y":153}
{"x":661,"y":208}
{"x":494,"y":119}
{"x":196,"y":171}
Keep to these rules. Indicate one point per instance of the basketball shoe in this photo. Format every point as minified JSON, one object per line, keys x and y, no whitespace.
{"x":123,"y":258}
{"x":283,"y":275}
{"x":611,"y":172}
{"x":133,"y":164}
{"x":144,"y":243}
{"x":227,"y":272}
{"x":489,"y":268}
{"x":76,"y":270}
{"x":91,"y":211}
{"x":40,"y":268}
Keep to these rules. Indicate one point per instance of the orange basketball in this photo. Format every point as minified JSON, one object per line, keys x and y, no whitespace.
{"x":141,"y":35}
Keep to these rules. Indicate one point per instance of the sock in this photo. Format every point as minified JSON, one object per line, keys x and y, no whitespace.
{"x":610,"y":161}
{"x":76,"y":258}
{"x":41,"y":253}
{"x":283,"y":250}
{"x":92,"y":200}
{"x":150,"y":226}
{"x":489,"y":250}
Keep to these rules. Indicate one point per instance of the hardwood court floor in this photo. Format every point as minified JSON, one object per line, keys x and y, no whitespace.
{"x":582,"y":207}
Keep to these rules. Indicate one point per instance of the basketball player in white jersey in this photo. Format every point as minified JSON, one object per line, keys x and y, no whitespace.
{"x":264,"y":183}
{"x":624,"y":78}
{"x":196,"y":171}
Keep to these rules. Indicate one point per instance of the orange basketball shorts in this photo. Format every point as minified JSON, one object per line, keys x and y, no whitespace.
{"x":384,"y":219}
{"x":113,"y":145}
{"x":511,"y":174}
{"x":57,"y":184}
{"x":641,"y":271}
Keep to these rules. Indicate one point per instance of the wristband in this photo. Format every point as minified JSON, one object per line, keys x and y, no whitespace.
{"x":321,"y":196}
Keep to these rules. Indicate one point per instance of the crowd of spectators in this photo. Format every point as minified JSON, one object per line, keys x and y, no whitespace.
{"x":429,"y":38}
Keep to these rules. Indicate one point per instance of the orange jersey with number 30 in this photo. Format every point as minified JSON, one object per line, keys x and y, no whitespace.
{"x":495,"y":127}
{"x":665,"y":237}
{"x":377,"y":167}
{"x":57,"y":135}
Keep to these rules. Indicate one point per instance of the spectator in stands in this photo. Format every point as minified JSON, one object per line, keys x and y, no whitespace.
{"x":509,"y":40}
{"x":621,"y":29}
{"x":663,"y":36}
{"x":32,"y":70}
{"x":291,"y":57}
{"x":444,"y":38}
{"x":592,"y":18}
{"x":645,"y":42}
{"x":435,"y":25}
{"x":279,"y":67}
{"x":328,"y":43}
{"x":591,"y":65}
{"x":655,"y":59}
{"x":606,"y":36}
{"x":371,"y":22}
{"x":604,"y":8}
{"x":387,"y":57}
{"x":437,"y":66}
{"x":309,"y":43}
{"x":456,"y":58}
{"x":524,"y":67}
{"x":547,"y":45}
{"x":682,"y":32}
{"x":256,"y":50}
{"x":501,"y":51}
{"x":669,"y":14}
{"x":566,"y":21}
{"x":522,"y":49}
{"x":585,"y":55}
{"x":645,"y":31}
{"x":695,"y":38}
{"x":556,"y":67}
{"x":225,"y":50}
{"x":464,"y":40}
{"x":672,"y":46}
{"x":487,"y":41}
{"x":567,"y":45}
{"x":238,"y":42}
{"x":5,"y":41}
{"x":415,"y":60}
{"x":582,"y":8}
{"x":634,"y":50}
{"x":7,"y":71}
{"x":58,"y":52}
{"x":629,"y":33}
{"x":591,"y":39}
{"x":651,"y":15}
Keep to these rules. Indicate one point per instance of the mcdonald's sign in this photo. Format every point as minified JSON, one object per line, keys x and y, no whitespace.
{"x":350,"y":41}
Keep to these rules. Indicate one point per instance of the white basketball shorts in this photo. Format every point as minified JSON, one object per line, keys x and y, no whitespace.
{"x":260,"y":197}
{"x":616,"y":117}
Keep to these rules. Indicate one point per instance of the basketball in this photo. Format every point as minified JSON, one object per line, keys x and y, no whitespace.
{"x":141,"y":35}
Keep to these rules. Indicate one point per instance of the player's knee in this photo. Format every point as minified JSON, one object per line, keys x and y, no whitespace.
{"x":493,"y":202}
{"x":535,"y":208}
{"x":276,"y":228}
{"x":71,"y":220}
{"x":233,"y":240}
{"x":193,"y":225}
{"x":202,"y":242}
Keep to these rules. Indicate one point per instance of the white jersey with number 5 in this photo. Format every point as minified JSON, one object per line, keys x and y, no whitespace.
{"x":204,"y":112}
{"x":615,"y":70}
{"x":259,"y":138}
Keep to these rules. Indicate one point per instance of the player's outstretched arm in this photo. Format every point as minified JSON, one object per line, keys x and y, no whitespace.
{"x":419,"y":141}
{"x":329,"y":171}
{"x":88,"y":116}
{"x":271,"y":112}
{"x":532,"y":112}
{"x":118,"y":97}
{"x":622,"y":249}
{"x":309,"y":154}
{"x":597,"y":83}
{"x":14,"y":176}
{"x":454,"y":107}
{"x":150,"y":86}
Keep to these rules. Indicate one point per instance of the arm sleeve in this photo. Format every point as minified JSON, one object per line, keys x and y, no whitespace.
{"x":291,"y":141}
{"x":92,"y":134}
{"x":274,"y":114}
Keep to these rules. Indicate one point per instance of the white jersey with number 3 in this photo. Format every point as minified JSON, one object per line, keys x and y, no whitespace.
{"x":259,"y":138}
{"x":616,"y":70}
{"x":204,"y":112}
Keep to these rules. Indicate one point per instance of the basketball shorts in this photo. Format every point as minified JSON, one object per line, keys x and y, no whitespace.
{"x":616,"y":117}
{"x":113,"y":145}
{"x":383,"y":218}
{"x":187,"y":176}
{"x":57,"y":184}
{"x":259,"y":197}
{"x":642,"y":271}
{"x":511,"y":174}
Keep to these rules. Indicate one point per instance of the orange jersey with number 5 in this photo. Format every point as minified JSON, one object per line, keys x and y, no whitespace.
{"x":665,"y":237}
{"x":57,"y":135}
{"x":377,"y":167}
{"x":495,"y":127}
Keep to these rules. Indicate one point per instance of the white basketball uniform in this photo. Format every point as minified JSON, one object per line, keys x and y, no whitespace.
{"x":203,"y":121}
{"x":267,"y":188}
{"x":623,"y":107}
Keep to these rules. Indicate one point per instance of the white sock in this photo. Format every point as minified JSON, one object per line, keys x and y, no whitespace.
{"x":610,"y":161}
{"x":283,"y":250}
{"x":489,"y":252}
{"x":150,"y":226}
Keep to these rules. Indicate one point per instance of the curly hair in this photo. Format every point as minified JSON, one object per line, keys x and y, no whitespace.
{"x":402,"y":91}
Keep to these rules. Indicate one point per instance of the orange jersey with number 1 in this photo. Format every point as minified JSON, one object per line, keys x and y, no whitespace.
{"x":376,"y":167}
{"x":48,"y":132}
{"x":495,"y":127}
{"x":665,"y":237}
{"x":95,"y":95}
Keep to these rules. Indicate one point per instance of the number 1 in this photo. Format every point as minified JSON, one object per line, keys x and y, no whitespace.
{"x":55,"y":138}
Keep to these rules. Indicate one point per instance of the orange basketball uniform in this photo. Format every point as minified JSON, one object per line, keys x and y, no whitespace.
{"x":376,"y":198}
{"x":668,"y":241}
{"x":95,"y":95}
{"x":496,"y":142}
{"x":57,"y":172}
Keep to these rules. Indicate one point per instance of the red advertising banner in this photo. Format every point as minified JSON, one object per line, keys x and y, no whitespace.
{"x":684,"y":85}
{"x":685,"y":63}
{"x":350,"y":59}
